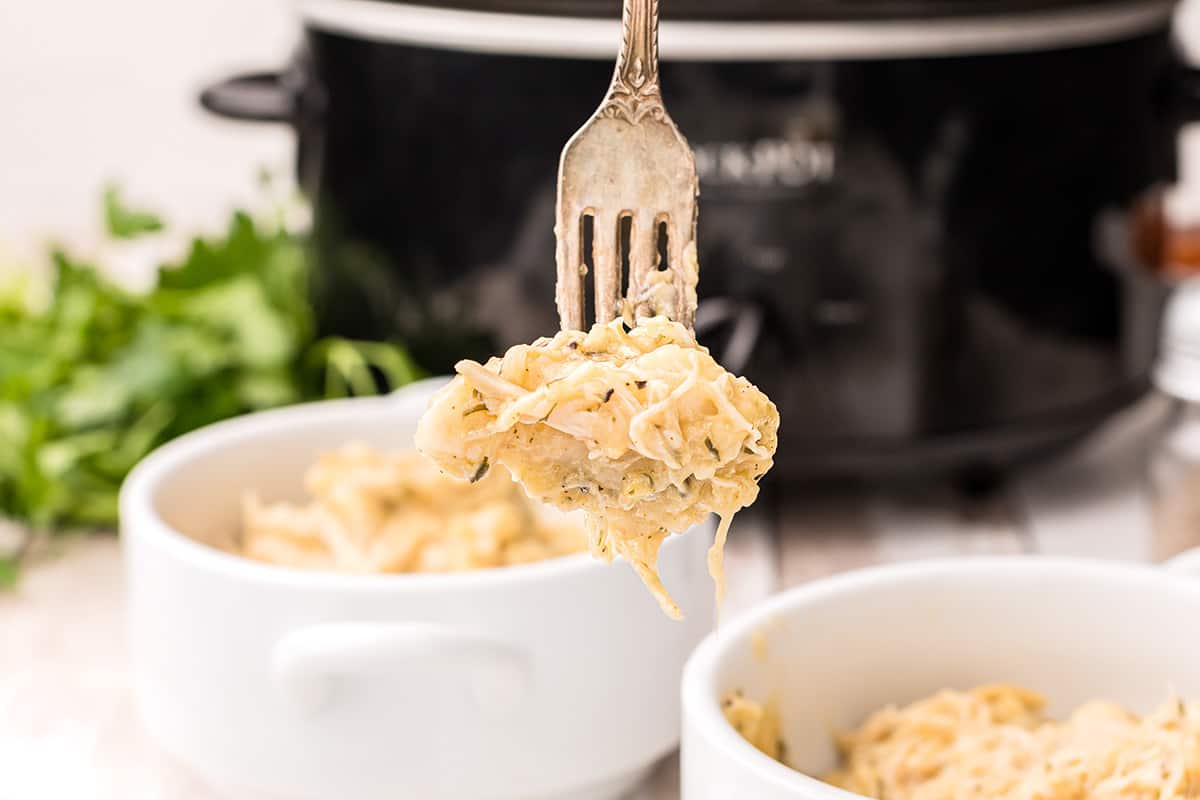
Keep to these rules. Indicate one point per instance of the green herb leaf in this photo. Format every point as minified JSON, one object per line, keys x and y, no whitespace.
{"x":10,"y":571}
{"x":124,"y":222}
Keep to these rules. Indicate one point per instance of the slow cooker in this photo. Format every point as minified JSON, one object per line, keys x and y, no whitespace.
{"x":912,"y":216}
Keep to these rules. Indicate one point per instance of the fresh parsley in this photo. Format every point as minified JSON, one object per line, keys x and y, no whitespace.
{"x":100,"y":376}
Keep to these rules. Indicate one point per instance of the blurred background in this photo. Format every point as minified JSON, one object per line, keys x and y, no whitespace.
{"x":90,"y":108}
{"x":941,"y":235}
{"x":916,"y":237}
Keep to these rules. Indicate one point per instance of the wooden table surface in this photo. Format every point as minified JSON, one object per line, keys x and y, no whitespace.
{"x":67,"y":728}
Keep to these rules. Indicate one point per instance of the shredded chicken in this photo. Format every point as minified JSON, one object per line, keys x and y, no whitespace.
{"x":994,"y":743}
{"x":640,"y":428}
{"x":397,"y":512}
{"x":757,"y":723}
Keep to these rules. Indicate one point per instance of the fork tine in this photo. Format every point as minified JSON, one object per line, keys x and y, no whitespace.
{"x":606,"y":250}
{"x":568,"y":294}
{"x":678,"y":239}
{"x":643,"y":252}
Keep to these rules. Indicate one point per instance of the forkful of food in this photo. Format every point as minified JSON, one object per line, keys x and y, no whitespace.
{"x":623,"y":416}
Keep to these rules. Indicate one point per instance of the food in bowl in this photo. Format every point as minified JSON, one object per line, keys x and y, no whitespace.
{"x":639,"y":427}
{"x":758,"y":724}
{"x":840,"y":648}
{"x":995,"y":742}
{"x":397,"y":512}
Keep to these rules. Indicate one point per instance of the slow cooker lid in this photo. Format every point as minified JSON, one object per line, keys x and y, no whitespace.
{"x":777,"y":10}
{"x":562,"y":29}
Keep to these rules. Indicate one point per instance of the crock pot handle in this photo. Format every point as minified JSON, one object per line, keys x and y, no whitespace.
{"x":253,"y":97}
{"x":1186,"y":564}
{"x":309,"y":663}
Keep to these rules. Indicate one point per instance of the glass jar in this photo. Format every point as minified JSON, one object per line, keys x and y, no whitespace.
{"x":1166,"y":222}
{"x":1175,"y":483}
{"x":1175,"y":461}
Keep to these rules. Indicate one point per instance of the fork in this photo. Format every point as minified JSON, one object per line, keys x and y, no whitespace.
{"x":628,"y":168}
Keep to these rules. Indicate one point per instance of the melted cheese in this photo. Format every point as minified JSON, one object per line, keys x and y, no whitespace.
{"x":994,"y":743}
{"x":639,"y":428}
{"x":375,"y":512}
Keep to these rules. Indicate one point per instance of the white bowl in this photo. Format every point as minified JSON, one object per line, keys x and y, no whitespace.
{"x":554,"y":680}
{"x":835,"y":650}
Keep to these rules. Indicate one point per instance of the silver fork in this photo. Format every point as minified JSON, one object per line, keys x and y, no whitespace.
{"x":629,"y":162}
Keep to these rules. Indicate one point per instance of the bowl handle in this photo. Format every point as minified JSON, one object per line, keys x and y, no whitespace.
{"x":1186,"y":564}
{"x":310,"y":663}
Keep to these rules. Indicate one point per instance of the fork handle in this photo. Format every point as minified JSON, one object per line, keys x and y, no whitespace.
{"x":635,"y":92}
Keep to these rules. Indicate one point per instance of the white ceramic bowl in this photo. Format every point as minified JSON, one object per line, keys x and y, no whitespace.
{"x":553,"y":680}
{"x":838,"y":649}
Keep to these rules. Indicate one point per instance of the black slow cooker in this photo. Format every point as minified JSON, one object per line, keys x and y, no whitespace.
{"x":911,"y":218}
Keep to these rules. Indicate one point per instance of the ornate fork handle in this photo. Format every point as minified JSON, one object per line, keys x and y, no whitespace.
{"x":635,"y":94}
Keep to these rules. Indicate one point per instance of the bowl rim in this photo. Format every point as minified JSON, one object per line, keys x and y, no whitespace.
{"x":140,"y":519}
{"x":701,"y":707}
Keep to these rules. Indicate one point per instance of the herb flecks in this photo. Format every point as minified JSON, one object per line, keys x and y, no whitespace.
{"x":608,"y":395}
{"x":484,"y":466}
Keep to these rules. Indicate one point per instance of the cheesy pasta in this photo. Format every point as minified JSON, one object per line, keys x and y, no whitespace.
{"x":397,"y":512}
{"x":640,"y":428}
{"x":995,"y":743}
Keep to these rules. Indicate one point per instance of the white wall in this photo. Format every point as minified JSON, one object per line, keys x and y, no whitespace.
{"x":92,"y":90}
